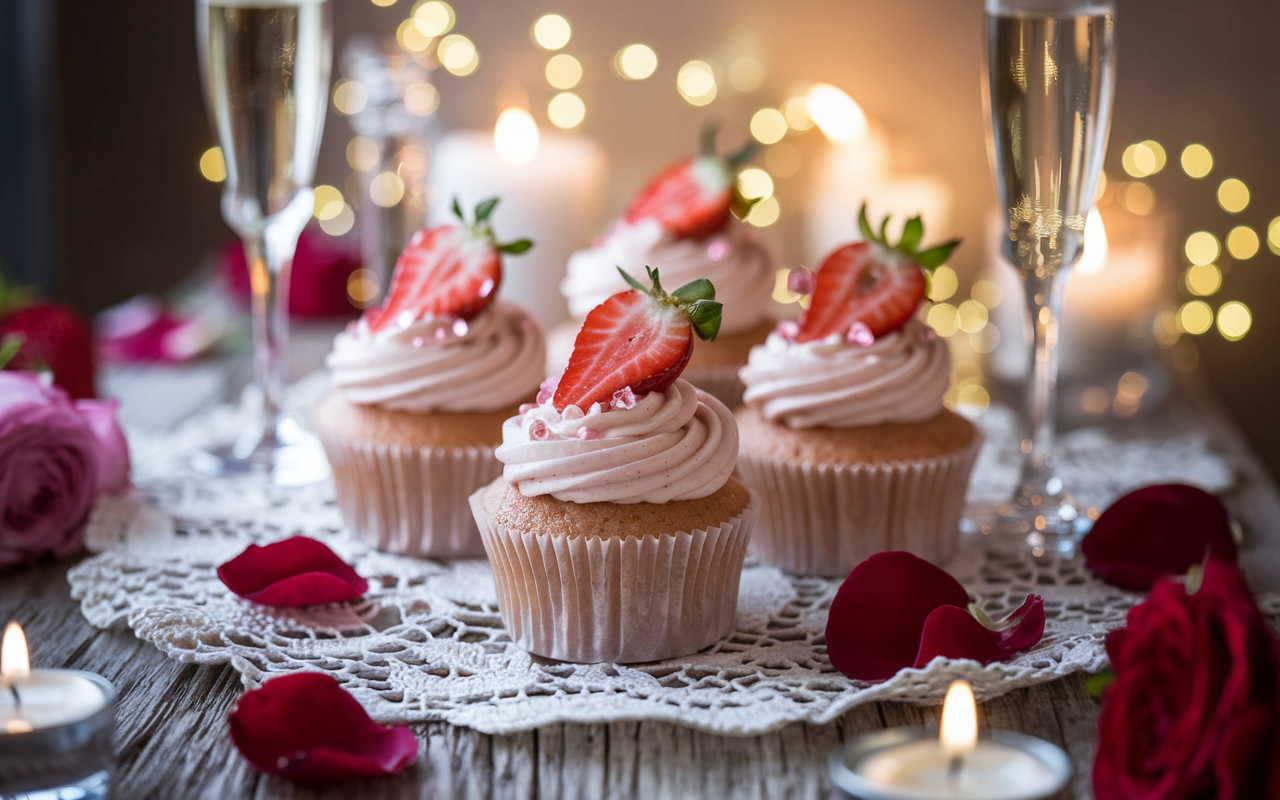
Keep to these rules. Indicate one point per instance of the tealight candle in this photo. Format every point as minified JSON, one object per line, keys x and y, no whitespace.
{"x":911,"y":764}
{"x":56,"y":726}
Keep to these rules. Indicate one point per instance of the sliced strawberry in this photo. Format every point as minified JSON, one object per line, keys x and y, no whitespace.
{"x":640,"y":340}
{"x":452,"y":270}
{"x":695,"y":197}
{"x":871,"y":283}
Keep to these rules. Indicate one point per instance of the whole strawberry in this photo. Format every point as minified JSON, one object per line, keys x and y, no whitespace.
{"x":639,"y":339}
{"x":695,"y":197}
{"x":452,"y":270}
{"x":871,"y":283}
{"x":50,"y":336}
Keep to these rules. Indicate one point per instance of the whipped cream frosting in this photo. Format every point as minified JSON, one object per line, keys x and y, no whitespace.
{"x":732,"y":259}
{"x":486,"y":363}
{"x":680,"y":444}
{"x":835,"y":383}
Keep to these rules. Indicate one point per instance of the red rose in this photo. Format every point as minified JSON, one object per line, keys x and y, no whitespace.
{"x":1194,"y":711}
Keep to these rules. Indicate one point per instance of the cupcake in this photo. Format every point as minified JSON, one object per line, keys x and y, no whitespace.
{"x":683,"y":225}
{"x":422,"y":386}
{"x":617,"y":532}
{"x":843,"y":429}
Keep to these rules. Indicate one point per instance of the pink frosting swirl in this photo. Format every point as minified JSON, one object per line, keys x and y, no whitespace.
{"x":835,"y":383}
{"x":732,"y":259}
{"x":442,"y":364}
{"x":680,"y":444}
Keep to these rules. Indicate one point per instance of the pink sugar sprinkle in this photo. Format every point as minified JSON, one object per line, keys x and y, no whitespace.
{"x":538,"y":430}
{"x":717,"y":249}
{"x":788,"y":329}
{"x":623,"y":398}
{"x":440,"y":333}
{"x":859,"y":333}
{"x":460,"y":328}
{"x":525,"y":408}
{"x":800,"y":281}
{"x":587,"y":434}
{"x":418,"y":341}
{"x":930,"y":334}
{"x":547,"y":390}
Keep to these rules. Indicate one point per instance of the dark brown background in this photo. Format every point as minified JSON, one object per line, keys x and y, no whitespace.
{"x":102,"y":124}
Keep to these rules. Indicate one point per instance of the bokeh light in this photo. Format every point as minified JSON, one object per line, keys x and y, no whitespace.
{"x":973,"y":396}
{"x":1137,"y":198}
{"x":1233,"y":195}
{"x":796,"y":115}
{"x":1202,"y":248}
{"x":552,"y":31}
{"x":384,"y":3}
{"x":986,"y":292}
{"x":696,"y":83}
{"x":746,"y":73}
{"x":986,"y":340}
{"x":328,"y":201}
{"x":212,"y":167}
{"x":1195,"y":317}
{"x":754,"y":182}
{"x":349,"y":97}
{"x":421,"y":99}
{"x":516,"y":137}
{"x":783,"y":160}
{"x":410,"y":38}
{"x":363,"y":153}
{"x":433,"y":18}
{"x":566,"y":110}
{"x":1203,"y":279}
{"x":768,"y":126}
{"x":386,"y":189}
{"x":1234,"y":320}
{"x":835,"y":113}
{"x":973,"y":316}
{"x":1242,"y":242}
{"x":340,"y":223}
{"x":563,"y":71}
{"x":1273,"y":236}
{"x":458,"y":54}
{"x":943,"y":283}
{"x":765,"y":213}
{"x":362,"y":286}
{"x":1141,"y":159}
{"x":1197,"y":161}
{"x":636,"y":62}
{"x":944,"y":318}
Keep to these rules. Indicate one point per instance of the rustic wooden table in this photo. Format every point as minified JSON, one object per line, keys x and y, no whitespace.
{"x":172,"y":736}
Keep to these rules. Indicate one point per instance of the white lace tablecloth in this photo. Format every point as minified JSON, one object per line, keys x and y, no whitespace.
{"x":427,"y":643}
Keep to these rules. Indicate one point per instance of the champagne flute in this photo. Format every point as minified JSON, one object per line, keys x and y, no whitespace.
{"x":265,"y":65}
{"x":1050,"y":78}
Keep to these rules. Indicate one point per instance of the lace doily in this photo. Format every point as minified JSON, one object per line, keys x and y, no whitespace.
{"x":427,"y":643}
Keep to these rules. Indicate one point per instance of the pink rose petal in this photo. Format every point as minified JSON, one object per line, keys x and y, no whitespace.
{"x":113,"y":449}
{"x":292,"y":573}
{"x":306,"y":728}
{"x":1155,"y":532}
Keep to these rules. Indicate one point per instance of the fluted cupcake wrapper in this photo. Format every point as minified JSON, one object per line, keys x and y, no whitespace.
{"x":824,"y":519}
{"x":721,"y":383}
{"x":622,"y":600}
{"x":411,"y":500}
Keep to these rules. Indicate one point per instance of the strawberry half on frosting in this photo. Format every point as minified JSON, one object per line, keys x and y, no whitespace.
{"x":695,"y":197}
{"x":640,"y":340}
{"x":448,"y":271}
{"x":871,"y":287}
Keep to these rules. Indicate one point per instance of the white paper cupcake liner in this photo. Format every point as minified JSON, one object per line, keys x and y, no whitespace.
{"x":721,"y":383}
{"x":621,"y":600}
{"x":823,"y":519}
{"x":411,"y":500}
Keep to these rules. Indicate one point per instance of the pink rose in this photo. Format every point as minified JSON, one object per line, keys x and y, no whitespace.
{"x":52,"y":465}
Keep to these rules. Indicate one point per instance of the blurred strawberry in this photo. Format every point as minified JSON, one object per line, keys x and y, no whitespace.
{"x":52,"y":337}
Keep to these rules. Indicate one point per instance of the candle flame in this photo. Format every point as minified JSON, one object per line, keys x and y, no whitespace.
{"x":14,"y":661}
{"x":515,"y":137}
{"x":835,"y":113}
{"x":1095,"y":244}
{"x":959,"y":720}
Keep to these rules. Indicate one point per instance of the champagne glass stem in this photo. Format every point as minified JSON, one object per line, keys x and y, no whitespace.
{"x":1044,"y":302}
{"x":269,"y":257}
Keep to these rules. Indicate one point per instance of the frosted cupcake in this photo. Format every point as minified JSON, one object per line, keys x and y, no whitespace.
{"x":616,"y":532}
{"x":422,"y":386}
{"x":843,"y":428}
{"x":682,"y":224}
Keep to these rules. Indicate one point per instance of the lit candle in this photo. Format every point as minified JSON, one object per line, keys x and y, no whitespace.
{"x":552,"y":190}
{"x":56,"y":726}
{"x":912,"y":764}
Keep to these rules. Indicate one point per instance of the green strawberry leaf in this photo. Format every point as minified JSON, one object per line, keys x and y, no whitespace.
{"x":707,"y":140}
{"x":484,"y":209}
{"x":701,"y":289}
{"x":632,"y":282}
{"x":704,"y":315}
{"x":1096,"y":685}
{"x":657,"y":285}
{"x":935,"y":257}
{"x":457,"y":209}
{"x":864,"y":226}
{"x":515,"y":248}
{"x":741,"y":205}
{"x":742,"y":155}
{"x":912,"y":233}
{"x":9,"y":348}
{"x":884,"y":230}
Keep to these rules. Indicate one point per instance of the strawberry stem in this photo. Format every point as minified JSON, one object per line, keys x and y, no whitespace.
{"x":696,"y":300}
{"x":909,"y":244}
{"x":10,"y":347}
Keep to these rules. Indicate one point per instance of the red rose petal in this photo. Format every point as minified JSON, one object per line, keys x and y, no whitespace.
{"x":1157,"y":531}
{"x":877,"y":616}
{"x":305,"y":727}
{"x":295,"y":572}
{"x":953,"y":632}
